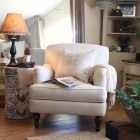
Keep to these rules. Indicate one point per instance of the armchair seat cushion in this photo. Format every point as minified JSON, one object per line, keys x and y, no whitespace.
{"x":81,"y":93}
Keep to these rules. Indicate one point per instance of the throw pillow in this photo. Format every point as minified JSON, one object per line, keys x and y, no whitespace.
{"x":75,"y":64}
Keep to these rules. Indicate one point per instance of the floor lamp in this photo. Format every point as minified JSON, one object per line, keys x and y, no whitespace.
{"x":14,"y":25}
{"x":103,"y":4}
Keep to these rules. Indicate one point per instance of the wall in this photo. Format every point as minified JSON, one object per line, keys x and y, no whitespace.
{"x":116,"y":61}
{"x":92,"y":22}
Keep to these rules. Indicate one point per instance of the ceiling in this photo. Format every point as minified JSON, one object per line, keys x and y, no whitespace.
{"x":28,"y":8}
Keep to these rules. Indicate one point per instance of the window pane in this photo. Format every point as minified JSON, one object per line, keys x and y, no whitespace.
{"x":57,"y":26}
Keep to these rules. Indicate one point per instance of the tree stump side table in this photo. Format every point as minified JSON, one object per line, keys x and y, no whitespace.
{"x":17,"y":82}
{"x":2,"y":84}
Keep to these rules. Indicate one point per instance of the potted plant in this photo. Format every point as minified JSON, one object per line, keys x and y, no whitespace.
{"x":131,"y":102}
{"x":27,"y":54}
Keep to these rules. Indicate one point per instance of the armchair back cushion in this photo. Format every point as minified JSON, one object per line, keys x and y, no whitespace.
{"x":53,"y":53}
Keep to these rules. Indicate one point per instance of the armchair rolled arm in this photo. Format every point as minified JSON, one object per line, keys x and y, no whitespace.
{"x":99,"y":77}
{"x":42,"y":73}
{"x":105,"y":76}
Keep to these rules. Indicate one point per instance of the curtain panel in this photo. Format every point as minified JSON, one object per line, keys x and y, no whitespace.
{"x":78,"y":20}
{"x":41,"y":41}
{"x":57,"y":31}
{"x":57,"y":25}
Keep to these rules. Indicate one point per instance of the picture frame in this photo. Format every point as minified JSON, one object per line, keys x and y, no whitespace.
{"x":128,"y":9}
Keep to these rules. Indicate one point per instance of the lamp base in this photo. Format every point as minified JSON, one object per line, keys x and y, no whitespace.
{"x":12,"y":63}
{"x":13,"y":54}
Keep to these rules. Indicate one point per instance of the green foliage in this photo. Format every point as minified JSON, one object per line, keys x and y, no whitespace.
{"x":136,"y":88}
{"x":130,"y":100}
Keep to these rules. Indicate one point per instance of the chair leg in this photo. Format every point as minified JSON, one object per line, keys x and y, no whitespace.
{"x":36,"y":117}
{"x":98,"y":121}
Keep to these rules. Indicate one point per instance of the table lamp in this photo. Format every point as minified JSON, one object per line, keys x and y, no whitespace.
{"x":14,"y":25}
{"x":2,"y":39}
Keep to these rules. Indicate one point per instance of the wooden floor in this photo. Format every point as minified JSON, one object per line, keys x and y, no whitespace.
{"x":20,"y":129}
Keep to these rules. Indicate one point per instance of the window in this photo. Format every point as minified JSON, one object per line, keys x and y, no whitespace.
{"x":57,"y":26}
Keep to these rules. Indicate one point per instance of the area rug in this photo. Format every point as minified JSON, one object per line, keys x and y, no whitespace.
{"x":82,"y":135}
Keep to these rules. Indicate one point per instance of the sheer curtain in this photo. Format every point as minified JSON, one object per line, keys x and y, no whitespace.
{"x":57,"y":25}
{"x":65,"y":24}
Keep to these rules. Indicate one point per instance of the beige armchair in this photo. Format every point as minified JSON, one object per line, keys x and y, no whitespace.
{"x":86,"y":62}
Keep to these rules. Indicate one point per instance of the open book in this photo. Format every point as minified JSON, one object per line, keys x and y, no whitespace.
{"x":65,"y":81}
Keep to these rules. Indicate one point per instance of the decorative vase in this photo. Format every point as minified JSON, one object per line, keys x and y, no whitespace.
{"x":27,"y":58}
{"x":116,"y":12}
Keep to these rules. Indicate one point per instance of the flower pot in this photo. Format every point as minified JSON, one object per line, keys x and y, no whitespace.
{"x":27,"y":58}
{"x":133,"y":116}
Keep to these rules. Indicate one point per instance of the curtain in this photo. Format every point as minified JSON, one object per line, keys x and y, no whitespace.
{"x":65,"y":24}
{"x":35,"y":26}
{"x":57,"y":25}
{"x":40,"y":33}
{"x":78,"y":20}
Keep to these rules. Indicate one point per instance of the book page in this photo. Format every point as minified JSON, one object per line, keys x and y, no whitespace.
{"x":68,"y":81}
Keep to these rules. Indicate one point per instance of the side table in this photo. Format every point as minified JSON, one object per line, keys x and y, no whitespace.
{"x":131,"y":72}
{"x":17,"y":82}
{"x":2,"y":84}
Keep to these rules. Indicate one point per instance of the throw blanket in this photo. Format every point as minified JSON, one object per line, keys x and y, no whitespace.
{"x":25,"y":79}
{"x":111,"y":81}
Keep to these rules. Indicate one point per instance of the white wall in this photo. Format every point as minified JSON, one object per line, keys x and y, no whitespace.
{"x":92,"y":22}
{"x":116,"y":61}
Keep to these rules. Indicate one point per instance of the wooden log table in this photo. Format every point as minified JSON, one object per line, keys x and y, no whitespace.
{"x":17,"y":82}
{"x":2,"y":84}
